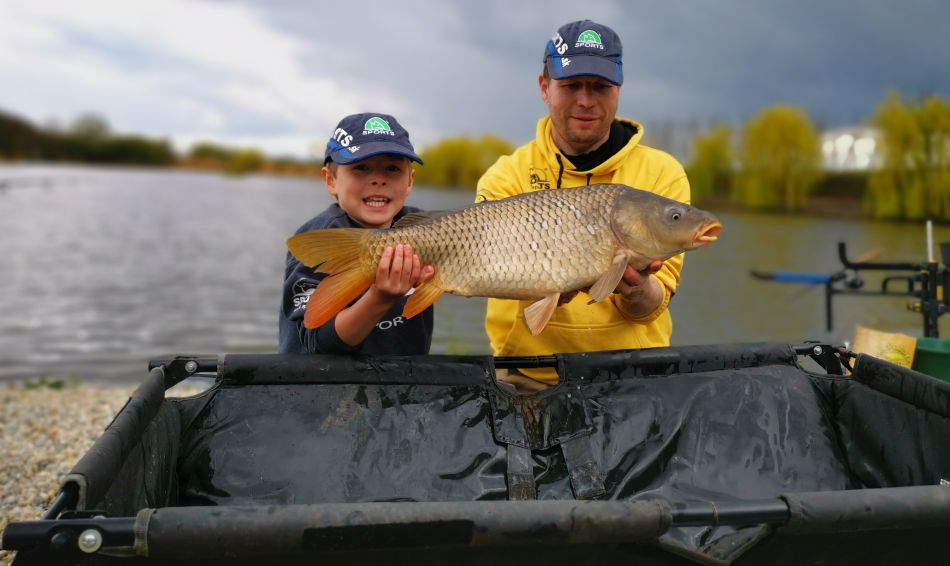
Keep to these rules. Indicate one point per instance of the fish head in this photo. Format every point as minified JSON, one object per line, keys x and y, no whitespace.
{"x":656,"y":227}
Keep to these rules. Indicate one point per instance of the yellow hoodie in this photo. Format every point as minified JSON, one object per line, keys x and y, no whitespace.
{"x":577,"y":326}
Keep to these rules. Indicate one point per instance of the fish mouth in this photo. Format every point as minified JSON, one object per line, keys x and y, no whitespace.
{"x":707,"y":234}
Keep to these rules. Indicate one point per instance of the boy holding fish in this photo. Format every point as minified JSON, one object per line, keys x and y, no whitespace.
{"x":368,"y":169}
{"x":580,"y":143}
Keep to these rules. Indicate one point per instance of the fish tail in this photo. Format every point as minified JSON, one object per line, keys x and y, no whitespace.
{"x":335,"y":252}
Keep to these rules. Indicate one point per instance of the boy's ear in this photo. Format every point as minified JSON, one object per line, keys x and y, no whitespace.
{"x":329,"y":179}
{"x":412,"y":176}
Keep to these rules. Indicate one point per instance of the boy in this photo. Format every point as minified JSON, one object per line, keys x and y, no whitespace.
{"x":368,"y":168}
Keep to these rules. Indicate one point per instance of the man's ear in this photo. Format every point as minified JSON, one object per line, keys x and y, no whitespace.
{"x":329,"y":180}
{"x":543,"y":84}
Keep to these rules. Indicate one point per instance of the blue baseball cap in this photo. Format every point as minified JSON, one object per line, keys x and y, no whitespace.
{"x":585,"y":48}
{"x":359,"y":136}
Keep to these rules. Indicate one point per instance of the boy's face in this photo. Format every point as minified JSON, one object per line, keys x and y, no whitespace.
{"x":373,"y":190}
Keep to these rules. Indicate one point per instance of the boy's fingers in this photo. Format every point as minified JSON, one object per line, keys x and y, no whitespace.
{"x":426,"y":273}
{"x":416,"y":269}
{"x":384,"y":261}
{"x":396,"y":269}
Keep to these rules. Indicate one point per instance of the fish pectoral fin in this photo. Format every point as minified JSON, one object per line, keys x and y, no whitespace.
{"x":422,"y":298}
{"x":333,"y":294}
{"x":538,"y":313}
{"x":609,"y":280}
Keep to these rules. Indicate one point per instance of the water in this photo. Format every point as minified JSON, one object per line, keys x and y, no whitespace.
{"x":105,"y":269}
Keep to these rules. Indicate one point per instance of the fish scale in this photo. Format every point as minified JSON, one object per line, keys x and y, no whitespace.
{"x":519,"y":248}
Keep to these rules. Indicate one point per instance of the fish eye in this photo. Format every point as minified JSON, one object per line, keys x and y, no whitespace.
{"x":676,"y":214}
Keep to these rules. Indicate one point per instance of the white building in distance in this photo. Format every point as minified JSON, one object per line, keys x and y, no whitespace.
{"x":851,"y":149}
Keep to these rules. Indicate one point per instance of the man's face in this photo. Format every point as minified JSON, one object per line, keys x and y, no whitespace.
{"x":581,"y":110}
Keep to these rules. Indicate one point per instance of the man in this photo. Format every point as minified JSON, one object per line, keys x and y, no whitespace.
{"x":582,"y":142}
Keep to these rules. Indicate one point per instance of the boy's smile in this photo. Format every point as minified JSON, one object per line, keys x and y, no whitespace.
{"x":373,"y":190}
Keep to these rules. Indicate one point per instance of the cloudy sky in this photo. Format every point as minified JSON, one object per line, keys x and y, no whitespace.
{"x":279,"y":74}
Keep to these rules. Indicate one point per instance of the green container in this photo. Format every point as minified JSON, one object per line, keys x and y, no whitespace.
{"x":932,"y":357}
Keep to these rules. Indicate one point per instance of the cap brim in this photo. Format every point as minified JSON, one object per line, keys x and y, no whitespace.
{"x":344,"y":156}
{"x":586,"y":66}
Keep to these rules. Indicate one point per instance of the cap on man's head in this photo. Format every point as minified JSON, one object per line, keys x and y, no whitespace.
{"x":585,"y":48}
{"x":360,"y":136}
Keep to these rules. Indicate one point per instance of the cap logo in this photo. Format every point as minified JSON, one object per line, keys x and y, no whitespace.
{"x":377,"y":125}
{"x":589,"y":38}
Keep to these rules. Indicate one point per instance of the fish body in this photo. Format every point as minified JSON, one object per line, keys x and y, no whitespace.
{"x":533,"y":246}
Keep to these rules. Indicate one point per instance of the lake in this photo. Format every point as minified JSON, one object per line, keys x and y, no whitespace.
{"x":104,"y":269}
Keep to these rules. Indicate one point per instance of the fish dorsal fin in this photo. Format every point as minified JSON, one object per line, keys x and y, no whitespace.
{"x":538,"y":313}
{"x":609,"y":280}
{"x":414,"y":218}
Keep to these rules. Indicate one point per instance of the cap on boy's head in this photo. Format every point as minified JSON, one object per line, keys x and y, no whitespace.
{"x":359,"y":136}
{"x":585,"y":48}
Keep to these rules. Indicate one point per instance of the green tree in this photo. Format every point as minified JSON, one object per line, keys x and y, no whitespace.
{"x":245,"y":161}
{"x":89,"y":126}
{"x":711,"y":167}
{"x":914,"y":179}
{"x":781,"y":158}
{"x":893,"y":188}
{"x":209,"y":152}
{"x":458,"y":162}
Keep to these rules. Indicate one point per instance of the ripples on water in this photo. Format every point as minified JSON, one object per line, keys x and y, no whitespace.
{"x":104,"y":269}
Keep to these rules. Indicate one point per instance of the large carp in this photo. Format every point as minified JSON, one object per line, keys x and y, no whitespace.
{"x":533,"y":246}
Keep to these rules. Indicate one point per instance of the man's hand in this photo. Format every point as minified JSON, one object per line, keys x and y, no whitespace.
{"x":634,"y":282}
{"x":631,"y":285}
{"x":640,"y":294}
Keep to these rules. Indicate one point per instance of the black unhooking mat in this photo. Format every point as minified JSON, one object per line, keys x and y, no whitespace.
{"x":709,"y":454}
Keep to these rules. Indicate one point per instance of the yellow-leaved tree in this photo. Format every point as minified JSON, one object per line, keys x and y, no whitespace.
{"x":780,"y":156}
{"x":458,"y":162}
{"x":913,"y":181}
{"x":711,"y":167}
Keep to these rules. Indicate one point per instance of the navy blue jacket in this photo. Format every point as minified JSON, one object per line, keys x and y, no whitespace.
{"x":393,"y":333}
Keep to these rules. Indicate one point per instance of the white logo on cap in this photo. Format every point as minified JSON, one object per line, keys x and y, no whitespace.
{"x":354,"y":149}
{"x":565,"y":61}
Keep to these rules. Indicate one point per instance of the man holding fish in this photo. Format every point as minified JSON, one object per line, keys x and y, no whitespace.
{"x":530,"y":248}
{"x":581,"y":142}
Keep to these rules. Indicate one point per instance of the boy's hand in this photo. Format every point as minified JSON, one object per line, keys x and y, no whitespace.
{"x":400,"y":270}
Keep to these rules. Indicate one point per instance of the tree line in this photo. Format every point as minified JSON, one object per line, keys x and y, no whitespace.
{"x":775,"y":162}
{"x":89,"y":139}
{"x":772,"y":162}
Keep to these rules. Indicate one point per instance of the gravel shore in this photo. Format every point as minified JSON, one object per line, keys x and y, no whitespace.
{"x":43,"y":433}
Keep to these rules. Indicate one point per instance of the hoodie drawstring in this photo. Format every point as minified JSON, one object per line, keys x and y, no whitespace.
{"x":560,"y":169}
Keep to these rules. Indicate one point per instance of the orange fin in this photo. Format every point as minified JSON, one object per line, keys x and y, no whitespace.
{"x":538,"y":313}
{"x":336,"y":252}
{"x":332,"y":250}
{"x":420,"y":299}
{"x":609,"y":280}
{"x":334,"y":294}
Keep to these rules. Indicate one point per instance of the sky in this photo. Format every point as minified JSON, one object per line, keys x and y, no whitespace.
{"x":279,"y":75}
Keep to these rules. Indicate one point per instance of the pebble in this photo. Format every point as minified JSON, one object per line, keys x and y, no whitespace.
{"x":43,"y":433}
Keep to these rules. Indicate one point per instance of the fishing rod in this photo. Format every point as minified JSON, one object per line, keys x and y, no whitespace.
{"x":925,"y":281}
